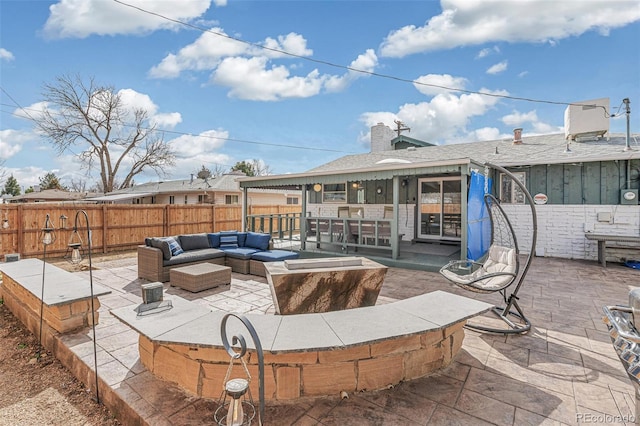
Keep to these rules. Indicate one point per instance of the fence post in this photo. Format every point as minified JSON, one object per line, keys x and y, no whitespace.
{"x":105,"y":230}
{"x":19,"y":230}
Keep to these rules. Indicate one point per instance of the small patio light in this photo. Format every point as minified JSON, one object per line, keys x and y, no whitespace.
{"x":47,"y":237}
{"x":5,"y":221}
{"x":63,"y":221}
{"x":48,"y":233}
{"x":74,"y":246}
{"x":236,"y":406}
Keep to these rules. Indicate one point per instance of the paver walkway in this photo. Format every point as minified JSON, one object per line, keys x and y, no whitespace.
{"x":564,"y":371}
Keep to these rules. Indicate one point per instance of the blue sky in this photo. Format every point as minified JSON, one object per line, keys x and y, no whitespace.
{"x":295,"y":112}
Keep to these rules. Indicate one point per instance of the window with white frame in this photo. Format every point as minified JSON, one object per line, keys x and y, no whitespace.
{"x":186,"y":199}
{"x":172,"y":199}
{"x":334,"y":193}
{"x":510,"y":192}
{"x":231,"y":199}
{"x":292,"y":200}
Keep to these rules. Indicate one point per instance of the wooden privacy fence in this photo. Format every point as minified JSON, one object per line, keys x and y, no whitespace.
{"x":115,"y":227}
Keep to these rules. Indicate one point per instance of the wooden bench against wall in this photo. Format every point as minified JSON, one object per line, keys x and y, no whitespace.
{"x":604,"y":239}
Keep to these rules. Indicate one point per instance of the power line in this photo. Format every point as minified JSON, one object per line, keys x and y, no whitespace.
{"x":332,"y":64}
{"x":185,"y":133}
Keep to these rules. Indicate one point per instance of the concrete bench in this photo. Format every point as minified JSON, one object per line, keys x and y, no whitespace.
{"x":603,"y":239}
{"x":311,"y":354}
{"x":67,"y":297}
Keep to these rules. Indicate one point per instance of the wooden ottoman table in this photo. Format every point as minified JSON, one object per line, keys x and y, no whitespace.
{"x":199,"y":277}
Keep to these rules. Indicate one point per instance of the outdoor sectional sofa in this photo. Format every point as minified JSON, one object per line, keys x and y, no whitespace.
{"x":244,"y":252}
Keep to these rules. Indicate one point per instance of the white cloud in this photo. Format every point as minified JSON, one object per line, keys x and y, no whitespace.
{"x":11,"y":142}
{"x":250,"y":79}
{"x":517,"y":118}
{"x":26,"y":176}
{"x":202,"y":55}
{"x":251,"y":72}
{"x":32,"y":111}
{"x":291,"y":43}
{"x":206,"y":53}
{"x":443,"y":119}
{"x":186,"y":146}
{"x":487,"y":51}
{"x":220,"y":3}
{"x":5,"y":55}
{"x":474,"y":22}
{"x":498,"y":68}
{"x":368,"y":61}
{"x":434,"y":84}
{"x":531,"y":121}
{"x":82,"y":18}
{"x":523,"y":74}
{"x":135,"y":100}
{"x":194,"y":151}
{"x":486,"y":134}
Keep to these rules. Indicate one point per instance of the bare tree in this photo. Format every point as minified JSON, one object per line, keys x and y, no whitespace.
{"x":112,"y":137}
{"x":261,"y":168}
{"x":253,"y":167}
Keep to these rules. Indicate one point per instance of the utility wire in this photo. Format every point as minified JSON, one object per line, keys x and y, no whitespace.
{"x":26,"y":109}
{"x":332,"y":64}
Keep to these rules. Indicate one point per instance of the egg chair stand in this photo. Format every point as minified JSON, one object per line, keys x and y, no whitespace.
{"x":500,"y":270}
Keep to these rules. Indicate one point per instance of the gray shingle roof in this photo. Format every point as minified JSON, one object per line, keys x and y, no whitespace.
{"x":544,"y":149}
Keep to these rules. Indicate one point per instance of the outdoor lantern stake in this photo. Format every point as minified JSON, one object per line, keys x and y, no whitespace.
{"x":75,"y":244}
{"x":236,"y":394}
{"x":47,"y":237}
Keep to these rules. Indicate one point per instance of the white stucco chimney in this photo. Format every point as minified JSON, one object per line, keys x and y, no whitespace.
{"x":517,"y":136}
{"x":381,"y":137}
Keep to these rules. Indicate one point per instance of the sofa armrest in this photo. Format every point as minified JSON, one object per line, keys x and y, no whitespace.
{"x":149,"y":263}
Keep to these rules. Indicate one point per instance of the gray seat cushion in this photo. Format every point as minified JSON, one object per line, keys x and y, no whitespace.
{"x":194,"y":241}
{"x":194,"y":256}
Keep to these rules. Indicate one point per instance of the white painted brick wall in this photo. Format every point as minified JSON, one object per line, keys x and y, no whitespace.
{"x":561,"y":228}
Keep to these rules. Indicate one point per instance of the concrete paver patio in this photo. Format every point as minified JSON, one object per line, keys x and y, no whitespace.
{"x":564,"y":371}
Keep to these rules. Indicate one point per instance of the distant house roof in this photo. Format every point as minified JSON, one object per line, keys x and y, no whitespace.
{"x":51,"y":195}
{"x":225,"y":183}
{"x":121,"y":197}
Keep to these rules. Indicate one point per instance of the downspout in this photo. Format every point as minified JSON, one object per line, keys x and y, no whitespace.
{"x":395,"y":249}
{"x":244,"y":209}
{"x":303,"y":219}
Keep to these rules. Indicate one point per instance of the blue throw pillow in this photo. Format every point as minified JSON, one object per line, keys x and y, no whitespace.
{"x":174,"y":247}
{"x":242,"y":237}
{"x":228,"y":241}
{"x":214,"y":240}
{"x":257,"y":240}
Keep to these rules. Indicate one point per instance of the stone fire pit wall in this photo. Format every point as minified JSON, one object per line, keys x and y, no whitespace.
{"x":290,"y":375}
{"x":310,"y":354}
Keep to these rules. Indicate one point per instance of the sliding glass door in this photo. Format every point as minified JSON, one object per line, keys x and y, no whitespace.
{"x":439,"y":208}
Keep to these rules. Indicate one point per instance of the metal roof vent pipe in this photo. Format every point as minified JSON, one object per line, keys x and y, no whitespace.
{"x":517,"y":136}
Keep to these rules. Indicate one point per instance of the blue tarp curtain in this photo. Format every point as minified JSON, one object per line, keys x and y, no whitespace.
{"x":478,"y":222}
